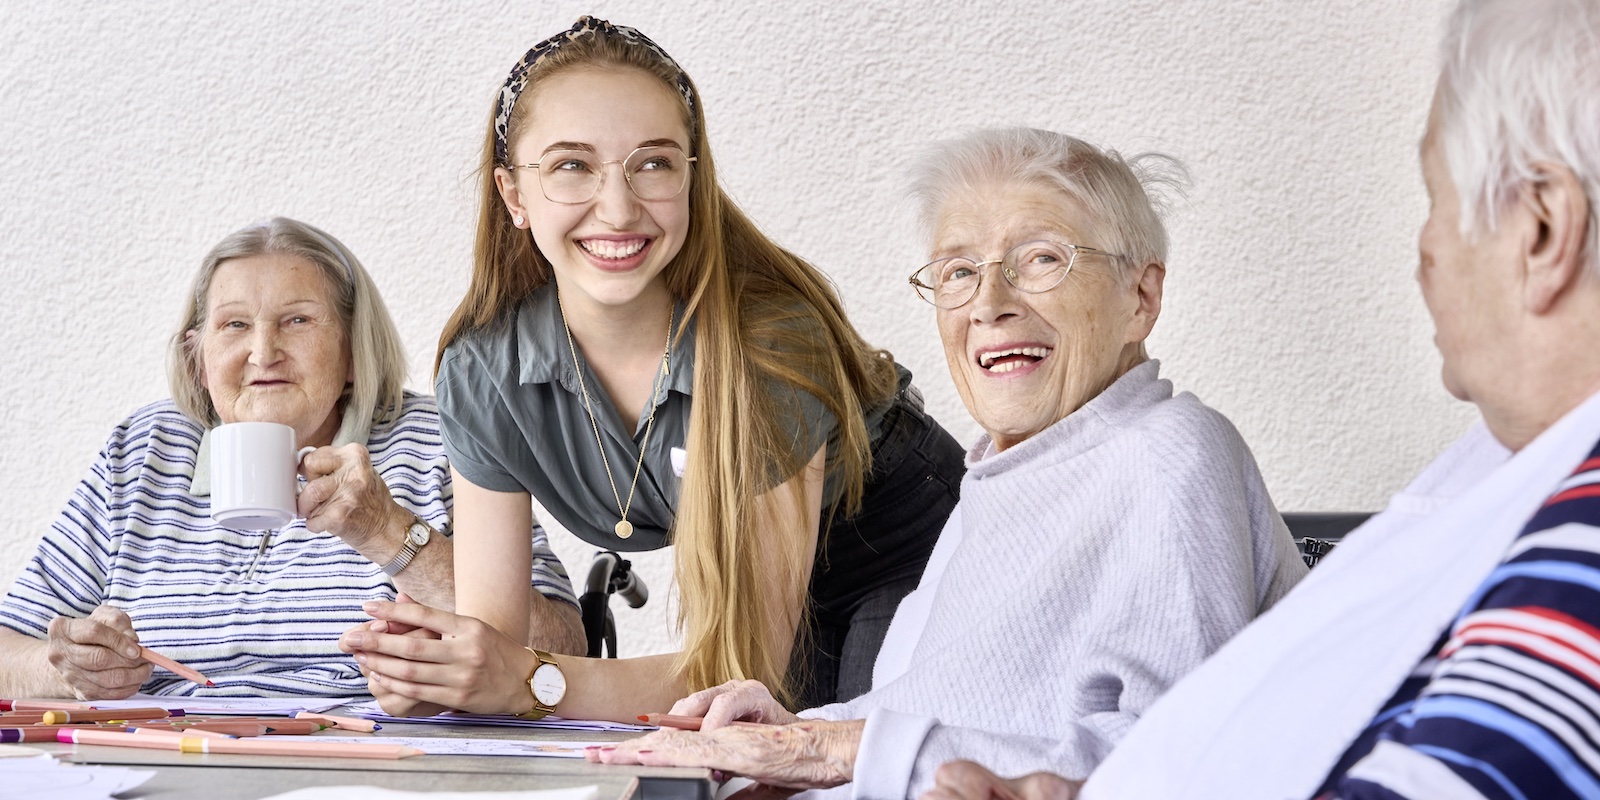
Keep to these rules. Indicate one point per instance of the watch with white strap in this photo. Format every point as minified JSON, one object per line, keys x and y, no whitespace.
{"x":547,"y":683}
{"x":417,"y":535}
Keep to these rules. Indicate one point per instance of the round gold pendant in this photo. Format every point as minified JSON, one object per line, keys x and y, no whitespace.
{"x":624,"y":529}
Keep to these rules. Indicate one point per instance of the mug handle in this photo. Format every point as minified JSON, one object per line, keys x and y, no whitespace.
{"x":299,"y":457}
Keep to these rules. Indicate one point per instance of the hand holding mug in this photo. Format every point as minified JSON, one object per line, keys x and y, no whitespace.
{"x":345,"y":496}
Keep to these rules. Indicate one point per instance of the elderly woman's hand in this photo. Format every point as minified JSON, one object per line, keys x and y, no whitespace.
{"x":965,"y":780}
{"x":98,"y":657}
{"x":443,"y":660}
{"x":345,"y":496}
{"x":810,"y":754}
{"x":749,"y":701}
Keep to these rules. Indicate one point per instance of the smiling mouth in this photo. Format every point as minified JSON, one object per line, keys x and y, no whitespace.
{"x":1003,"y":361}
{"x":613,"y":249}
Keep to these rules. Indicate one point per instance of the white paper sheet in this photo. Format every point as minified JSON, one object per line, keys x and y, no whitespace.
{"x":45,"y":777}
{"x":371,"y":710}
{"x":375,"y":793}
{"x":448,"y":746}
{"x":223,"y":706}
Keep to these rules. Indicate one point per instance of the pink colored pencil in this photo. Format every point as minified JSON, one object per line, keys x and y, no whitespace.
{"x":688,"y":723}
{"x":275,"y":747}
{"x":343,"y":723}
{"x":173,"y":666}
{"x":42,"y":705}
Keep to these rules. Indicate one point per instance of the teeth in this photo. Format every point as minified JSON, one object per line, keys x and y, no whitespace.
{"x":986,"y":360}
{"x":606,"y":248}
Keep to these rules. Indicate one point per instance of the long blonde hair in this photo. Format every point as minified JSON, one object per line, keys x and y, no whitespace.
{"x":768,"y":324}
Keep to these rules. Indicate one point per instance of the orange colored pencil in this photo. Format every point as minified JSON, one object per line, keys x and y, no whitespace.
{"x":105,"y":715}
{"x":342,"y":723}
{"x":688,"y":723}
{"x":173,"y":666}
{"x":160,"y":730}
{"x":277,"y":747}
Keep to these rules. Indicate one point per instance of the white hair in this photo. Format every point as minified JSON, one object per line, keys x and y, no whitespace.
{"x":1126,"y":197}
{"x":378,"y":361}
{"x":1519,"y":84}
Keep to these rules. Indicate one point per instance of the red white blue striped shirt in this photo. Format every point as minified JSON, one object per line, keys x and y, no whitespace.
{"x":1508,"y":703}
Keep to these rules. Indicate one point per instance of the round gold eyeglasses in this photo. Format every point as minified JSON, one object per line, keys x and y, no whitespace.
{"x":1031,"y":267}
{"x":574,"y":176}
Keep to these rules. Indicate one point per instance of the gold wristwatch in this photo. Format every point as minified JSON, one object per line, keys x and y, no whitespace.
{"x":547,"y":683}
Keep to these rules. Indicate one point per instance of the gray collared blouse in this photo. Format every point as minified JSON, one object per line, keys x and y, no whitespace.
{"x":514,"y":421}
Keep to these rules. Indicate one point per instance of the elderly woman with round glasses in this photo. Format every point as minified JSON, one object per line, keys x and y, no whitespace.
{"x":1110,"y":533}
{"x":282,"y":324}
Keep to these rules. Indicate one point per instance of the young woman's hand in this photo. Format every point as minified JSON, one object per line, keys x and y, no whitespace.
{"x":98,"y":657}
{"x":749,"y":701}
{"x":444,"y":660}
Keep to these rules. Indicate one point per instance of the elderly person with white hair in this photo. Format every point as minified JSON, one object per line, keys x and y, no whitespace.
{"x":282,"y":324}
{"x":1110,"y":535}
{"x":1451,"y":647}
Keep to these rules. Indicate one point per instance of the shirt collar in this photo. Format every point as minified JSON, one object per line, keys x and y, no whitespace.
{"x":545,"y":357}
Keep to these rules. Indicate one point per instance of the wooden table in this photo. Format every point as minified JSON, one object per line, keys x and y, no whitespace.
{"x":182,"y":776}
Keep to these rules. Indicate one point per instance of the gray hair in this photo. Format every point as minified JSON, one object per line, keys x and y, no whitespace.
{"x":378,"y":361}
{"x":1126,"y":197}
{"x":1519,"y":84}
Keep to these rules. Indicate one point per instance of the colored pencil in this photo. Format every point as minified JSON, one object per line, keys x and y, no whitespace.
{"x":173,"y":666}
{"x":342,"y":723}
{"x":41,"y":705}
{"x":106,"y":715}
{"x":214,"y":726}
{"x":276,"y":747}
{"x":158,"y":730}
{"x":38,"y":733}
{"x":688,"y":723}
{"x":277,"y":725}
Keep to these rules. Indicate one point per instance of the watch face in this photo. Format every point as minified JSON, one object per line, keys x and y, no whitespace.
{"x":419,"y":533}
{"x":548,"y":684}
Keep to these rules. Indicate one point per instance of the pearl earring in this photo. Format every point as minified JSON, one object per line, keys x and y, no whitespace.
{"x":517,"y":220}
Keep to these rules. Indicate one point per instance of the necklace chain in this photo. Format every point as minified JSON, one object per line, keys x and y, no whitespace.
{"x":623,"y":528}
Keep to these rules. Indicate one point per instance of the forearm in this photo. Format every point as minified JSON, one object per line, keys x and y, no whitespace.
{"x":430,"y":579}
{"x":618,"y":689}
{"x":25,"y":669}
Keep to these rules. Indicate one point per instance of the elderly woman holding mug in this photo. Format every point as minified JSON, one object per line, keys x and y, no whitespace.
{"x":1110,"y":534}
{"x":282,"y":325}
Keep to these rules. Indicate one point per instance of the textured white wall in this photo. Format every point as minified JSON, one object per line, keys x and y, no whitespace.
{"x":133,"y":137}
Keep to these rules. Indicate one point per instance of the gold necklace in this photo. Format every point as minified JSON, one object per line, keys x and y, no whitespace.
{"x":623,"y":528}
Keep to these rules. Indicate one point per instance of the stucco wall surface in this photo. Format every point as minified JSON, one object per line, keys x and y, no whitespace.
{"x":134,"y":136}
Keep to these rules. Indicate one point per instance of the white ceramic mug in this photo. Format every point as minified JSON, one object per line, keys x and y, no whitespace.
{"x":253,"y":468}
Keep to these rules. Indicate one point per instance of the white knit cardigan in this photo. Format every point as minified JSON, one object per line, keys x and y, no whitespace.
{"x":1084,"y":571}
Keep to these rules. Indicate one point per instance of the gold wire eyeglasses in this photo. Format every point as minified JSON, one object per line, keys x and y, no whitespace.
{"x":1032,"y":267}
{"x":574,"y":176}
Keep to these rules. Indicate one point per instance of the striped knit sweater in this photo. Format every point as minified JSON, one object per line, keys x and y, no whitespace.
{"x":133,"y":536}
{"x":1508,"y":704}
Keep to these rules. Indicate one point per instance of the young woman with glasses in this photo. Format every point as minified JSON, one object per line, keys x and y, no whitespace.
{"x":637,"y":356}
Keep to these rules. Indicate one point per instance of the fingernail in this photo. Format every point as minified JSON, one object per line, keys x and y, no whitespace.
{"x":644,"y":752}
{"x":361,"y":658}
{"x":608,"y":749}
{"x":369,"y":606}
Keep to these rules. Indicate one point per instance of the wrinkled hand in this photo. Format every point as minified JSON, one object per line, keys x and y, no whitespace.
{"x":810,"y":754}
{"x":442,"y":660}
{"x":344,"y":496}
{"x":750,"y":701}
{"x":98,"y":657}
{"x":966,"y":780}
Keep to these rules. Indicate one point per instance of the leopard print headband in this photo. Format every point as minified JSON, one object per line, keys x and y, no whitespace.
{"x":585,"y":26}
